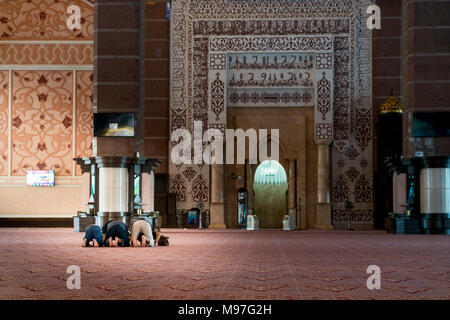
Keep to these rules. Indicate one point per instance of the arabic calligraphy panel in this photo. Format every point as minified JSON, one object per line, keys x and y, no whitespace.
{"x":270,"y":79}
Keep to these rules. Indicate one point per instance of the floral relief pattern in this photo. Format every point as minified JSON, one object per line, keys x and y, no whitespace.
{"x":340,"y":190}
{"x":54,"y":53}
{"x":270,"y":27}
{"x":200,"y":189}
{"x":189,"y":173}
{"x":200,"y":74}
{"x":309,"y":8}
{"x":323,"y":61}
{"x":84,"y":115}
{"x":363,"y":191}
{"x":324,"y":131}
{"x":352,"y":153}
{"x":217,"y":96}
{"x":352,"y":173}
{"x":42,"y":113}
{"x":4,"y":87}
{"x":178,"y":186}
{"x":323,"y":96}
{"x":281,"y":43}
{"x":44,"y":20}
{"x":355,"y":215}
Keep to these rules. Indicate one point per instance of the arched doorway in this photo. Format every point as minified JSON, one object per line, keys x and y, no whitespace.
{"x":270,"y":186}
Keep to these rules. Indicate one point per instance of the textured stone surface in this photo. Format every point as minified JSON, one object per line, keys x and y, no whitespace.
{"x":426,"y":78}
{"x":215,"y":28}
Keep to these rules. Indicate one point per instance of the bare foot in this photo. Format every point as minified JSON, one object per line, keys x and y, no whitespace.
{"x":95,"y":243}
{"x":110,"y":242}
{"x":84,"y":242}
{"x":135,"y":242}
{"x":144,"y":242}
{"x":158,"y":235}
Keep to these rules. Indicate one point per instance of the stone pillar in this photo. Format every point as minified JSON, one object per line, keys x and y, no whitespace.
{"x":250,"y":176}
{"x":292,"y":199}
{"x":148,"y":191}
{"x":399,"y":193}
{"x":119,"y":70}
{"x":323,"y":206}
{"x":113,"y":199}
{"x":425,"y":76}
{"x":86,"y":189}
{"x":151,"y":203}
{"x":119,"y":73}
{"x":113,"y":190}
{"x":435,"y":190}
{"x":217,"y":207}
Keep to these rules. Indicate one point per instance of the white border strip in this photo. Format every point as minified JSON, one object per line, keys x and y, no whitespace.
{"x":74,"y":118}
{"x":35,"y":216}
{"x":47,"y":42}
{"x":9,"y":121}
{"x":40,"y":67}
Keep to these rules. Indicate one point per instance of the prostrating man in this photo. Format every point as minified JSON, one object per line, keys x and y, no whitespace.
{"x":142,"y":235}
{"x":116,"y":234}
{"x":92,"y":236}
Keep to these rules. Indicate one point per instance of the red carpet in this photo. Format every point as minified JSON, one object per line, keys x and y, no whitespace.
{"x":231,"y":264}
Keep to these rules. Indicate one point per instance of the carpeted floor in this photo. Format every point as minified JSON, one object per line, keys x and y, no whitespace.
{"x":230,"y":264}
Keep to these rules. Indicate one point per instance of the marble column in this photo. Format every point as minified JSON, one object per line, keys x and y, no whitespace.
{"x":119,"y":84}
{"x":152,"y":192}
{"x":292,"y":196}
{"x":250,"y":174}
{"x":435,"y":190}
{"x":399,"y":193}
{"x":112,"y":194}
{"x":148,"y":191}
{"x":323,"y":206}
{"x":217,"y":206}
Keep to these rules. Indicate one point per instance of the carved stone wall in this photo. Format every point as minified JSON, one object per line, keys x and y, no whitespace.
{"x":204,"y":34}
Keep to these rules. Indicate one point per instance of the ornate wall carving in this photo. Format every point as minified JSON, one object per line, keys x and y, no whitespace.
{"x":206,"y":31}
{"x":42,"y":119}
{"x":43,"y":129}
{"x":84,"y":115}
{"x":46,"y":53}
{"x":43,"y":20}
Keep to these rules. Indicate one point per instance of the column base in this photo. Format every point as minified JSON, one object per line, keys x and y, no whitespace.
{"x":323,"y":216}
{"x":217,"y":215}
{"x":435,"y":223}
{"x":293,"y":212}
{"x":103,"y":217}
{"x":252,"y":222}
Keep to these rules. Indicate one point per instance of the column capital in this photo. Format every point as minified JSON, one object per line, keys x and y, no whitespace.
{"x":323,"y":142}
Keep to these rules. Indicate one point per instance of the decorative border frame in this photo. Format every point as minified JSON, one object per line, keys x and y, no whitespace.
{"x":198,"y":25}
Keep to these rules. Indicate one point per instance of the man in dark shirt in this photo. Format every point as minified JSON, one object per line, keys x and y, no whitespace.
{"x":116,"y":234}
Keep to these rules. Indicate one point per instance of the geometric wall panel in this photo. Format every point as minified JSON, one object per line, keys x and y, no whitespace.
{"x":41,"y":121}
{"x":84,"y":115}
